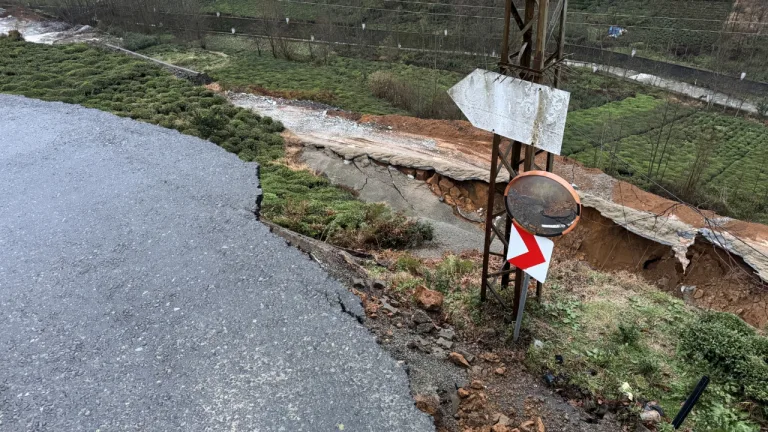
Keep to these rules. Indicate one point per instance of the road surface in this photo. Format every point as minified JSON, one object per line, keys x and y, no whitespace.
{"x":138,"y":292}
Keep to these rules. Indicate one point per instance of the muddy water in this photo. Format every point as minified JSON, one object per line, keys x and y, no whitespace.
{"x":46,"y":32}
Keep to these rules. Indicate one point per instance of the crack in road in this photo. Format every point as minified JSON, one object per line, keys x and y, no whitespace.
{"x":364,"y":175}
{"x":399,"y":192}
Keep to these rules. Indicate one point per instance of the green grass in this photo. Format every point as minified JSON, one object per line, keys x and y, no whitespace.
{"x":734,"y":179}
{"x":607,"y":115}
{"x":129,"y":87}
{"x":342,"y":81}
{"x":616,"y":329}
{"x":234,"y":62}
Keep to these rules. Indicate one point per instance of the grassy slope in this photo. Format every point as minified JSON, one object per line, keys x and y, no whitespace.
{"x":615,"y":329}
{"x":133,"y":88}
{"x":606,"y":113}
{"x":341,"y":82}
{"x":612,"y":329}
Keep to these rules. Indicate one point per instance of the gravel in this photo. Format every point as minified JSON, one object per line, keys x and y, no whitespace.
{"x":138,"y":292}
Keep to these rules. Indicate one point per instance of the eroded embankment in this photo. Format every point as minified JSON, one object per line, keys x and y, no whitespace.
{"x":667,"y":252}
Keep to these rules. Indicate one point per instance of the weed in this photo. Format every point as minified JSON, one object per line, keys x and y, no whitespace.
{"x":404,"y":282}
{"x":139,"y":41}
{"x":762,"y":108}
{"x":648,"y":366}
{"x":628,"y":334}
{"x":408,"y":263}
{"x":13,"y":35}
{"x":425,"y":102}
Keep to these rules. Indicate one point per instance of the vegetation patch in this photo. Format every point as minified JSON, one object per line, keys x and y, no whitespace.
{"x":128,"y":87}
{"x":341,"y":81}
{"x":610,"y":342}
{"x":614,"y":334}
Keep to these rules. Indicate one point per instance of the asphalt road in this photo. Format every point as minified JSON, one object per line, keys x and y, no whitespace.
{"x":139,"y":293}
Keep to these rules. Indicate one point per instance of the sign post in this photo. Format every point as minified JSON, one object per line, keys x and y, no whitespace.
{"x":502,"y":106}
{"x":541,"y":205}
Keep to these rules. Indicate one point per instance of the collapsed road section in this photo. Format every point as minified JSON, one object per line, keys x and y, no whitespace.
{"x":714,"y":262}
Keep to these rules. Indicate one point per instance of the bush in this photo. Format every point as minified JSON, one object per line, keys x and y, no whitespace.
{"x":762,"y":108}
{"x":628,"y":334}
{"x":139,"y":41}
{"x":420,"y":101}
{"x":733,"y":349}
{"x":14,"y":36}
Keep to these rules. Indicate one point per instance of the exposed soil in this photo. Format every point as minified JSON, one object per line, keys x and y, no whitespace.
{"x":716,"y":279}
{"x":495,"y":385}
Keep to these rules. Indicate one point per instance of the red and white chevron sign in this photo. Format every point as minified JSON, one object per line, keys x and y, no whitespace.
{"x":530,"y":253}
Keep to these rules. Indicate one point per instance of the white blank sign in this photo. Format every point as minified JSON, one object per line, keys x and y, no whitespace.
{"x":520,"y":110}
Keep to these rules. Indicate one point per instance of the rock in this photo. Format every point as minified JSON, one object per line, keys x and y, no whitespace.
{"x":462,"y":392}
{"x":446,"y":184}
{"x":455,"y":400}
{"x":420,"y":317}
{"x":527,"y":426}
{"x":362,"y":161}
{"x":425,"y":328}
{"x":444,"y":343}
{"x":641,"y":428}
{"x":458,"y":360}
{"x":538,"y":344}
{"x":540,"y":425}
{"x":379,"y":284}
{"x":470,"y":358}
{"x":420,"y":343}
{"x":428,"y":299}
{"x":651,"y":416}
{"x":389,"y":308}
{"x":490,"y":357}
{"x":499,"y":428}
{"x":500,"y":371}
{"x":358,"y":283}
{"x":446,"y":333}
{"x":394,"y":303}
{"x":439,"y":353}
{"x":503,"y":420}
{"x":477,"y":370}
{"x":422,"y":175}
{"x":429,"y":404}
{"x":477,"y":385}
{"x":434,"y":180}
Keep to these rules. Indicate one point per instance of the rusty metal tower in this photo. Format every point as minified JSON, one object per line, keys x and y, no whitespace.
{"x":529,"y":61}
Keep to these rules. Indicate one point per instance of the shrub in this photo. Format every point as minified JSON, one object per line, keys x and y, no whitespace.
{"x":628,"y":334}
{"x":732,"y":348}
{"x":422,"y":102}
{"x":139,"y":41}
{"x":14,"y":36}
{"x":762,"y":108}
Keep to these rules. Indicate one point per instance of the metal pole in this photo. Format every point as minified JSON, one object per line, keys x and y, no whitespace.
{"x":690,"y":402}
{"x":489,"y":210}
{"x":521,"y":306}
